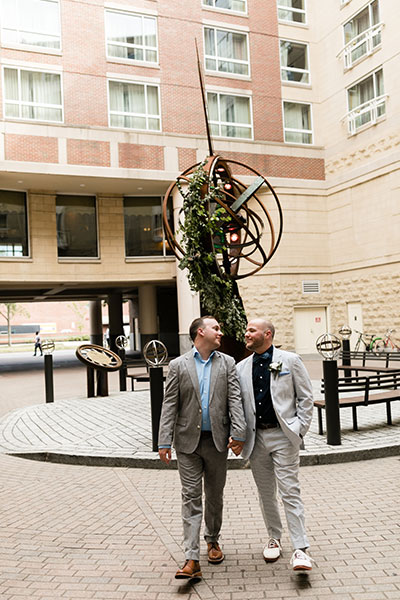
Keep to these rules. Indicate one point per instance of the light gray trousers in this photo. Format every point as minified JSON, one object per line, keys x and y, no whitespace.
{"x":208,"y":462}
{"x":275,"y":465}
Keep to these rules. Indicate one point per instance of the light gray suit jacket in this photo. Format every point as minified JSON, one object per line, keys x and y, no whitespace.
{"x":291,"y":393}
{"x":181,"y":413}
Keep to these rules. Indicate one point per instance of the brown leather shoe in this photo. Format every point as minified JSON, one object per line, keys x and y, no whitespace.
{"x":215,"y":554}
{"x":190,"y":570}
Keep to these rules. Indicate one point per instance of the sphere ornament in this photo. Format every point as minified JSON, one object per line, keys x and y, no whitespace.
{"x":345,"y":332}
{"x":121,"y":342}
{"x":98,"y":357}
{"x":247,"y":232}
{"x":48,"y":346}
{"x":155,"y":353}
{"x":328,"y":346}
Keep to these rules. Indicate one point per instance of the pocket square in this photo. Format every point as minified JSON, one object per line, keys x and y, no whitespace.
{"x":284,"y":373}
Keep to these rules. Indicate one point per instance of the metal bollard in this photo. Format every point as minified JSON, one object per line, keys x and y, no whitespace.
{"x":156,"y":400}
{"x":346,"y":361}
{"x":122,"y":371}
{"x":333,"y":434}
{"x":48,"y":377}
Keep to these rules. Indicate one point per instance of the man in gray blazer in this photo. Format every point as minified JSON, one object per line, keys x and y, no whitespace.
{"x":278,"y":403}
{"x":202,"y":414}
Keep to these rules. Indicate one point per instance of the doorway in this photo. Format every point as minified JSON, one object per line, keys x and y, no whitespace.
{"x":355,"y":320}
{"x":309,"y":324}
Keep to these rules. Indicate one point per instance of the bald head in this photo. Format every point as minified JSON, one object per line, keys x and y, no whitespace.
{"x":259,"y":335}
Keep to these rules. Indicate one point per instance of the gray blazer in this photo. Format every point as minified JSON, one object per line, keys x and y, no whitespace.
{"x":291,"y":393}
{"x":181,"y":415}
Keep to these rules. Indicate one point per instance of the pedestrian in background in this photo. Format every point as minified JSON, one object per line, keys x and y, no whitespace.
{"x":202,"y":414}
{"x":278,"y":403}
{"x":38,"y":344}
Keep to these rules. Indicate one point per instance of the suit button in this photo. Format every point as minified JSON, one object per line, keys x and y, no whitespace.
{"x":199,"y":410}
{"x":198,"y":426}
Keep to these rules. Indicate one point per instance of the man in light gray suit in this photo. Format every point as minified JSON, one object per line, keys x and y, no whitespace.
{"x":202,"y":414}
{"x":278,"y":403}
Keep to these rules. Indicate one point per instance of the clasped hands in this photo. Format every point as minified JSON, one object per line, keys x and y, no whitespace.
{"x":235,"y":445}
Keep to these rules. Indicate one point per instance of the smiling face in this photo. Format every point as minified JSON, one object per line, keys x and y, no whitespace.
{"x":210,"y":334}
{"x":258,"y":336}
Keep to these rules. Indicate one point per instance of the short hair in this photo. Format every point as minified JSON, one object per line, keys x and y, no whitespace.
{"x":196,"y":324}
{"x":271,"y":327}
{"x":36,"y":332}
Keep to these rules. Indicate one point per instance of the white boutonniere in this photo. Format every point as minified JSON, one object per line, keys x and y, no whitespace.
{"x":275,"y":368}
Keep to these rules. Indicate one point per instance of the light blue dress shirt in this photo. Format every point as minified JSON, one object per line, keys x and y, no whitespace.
{"x":203,"y":368}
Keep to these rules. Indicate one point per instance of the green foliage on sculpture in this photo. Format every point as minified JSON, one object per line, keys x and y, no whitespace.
{"x":204,"y":220}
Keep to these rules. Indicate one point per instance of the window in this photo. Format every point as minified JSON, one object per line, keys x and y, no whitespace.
{"x":234,"y":5}
{"x":31,"y":22}
{"x":362,"y":34}
{"x":134,"y":106}
{"x":297,"y":123}
{"x":13,"y":224}
{"x":226,"y":51}
{"x":131,"y":36}
{"x":293,"y":11}
{"x":144,"y":234}
{"x":229,"y":115}
{"x":76,"y":226}
{"x":294,"y":62}
{"x":32,"y":95}
{"x":366,"y":101}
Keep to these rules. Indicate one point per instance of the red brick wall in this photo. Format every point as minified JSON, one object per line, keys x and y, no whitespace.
{"x":86,"y":152}
{"x":31,"y":148}
{"x":186,"y":157}
{"x":271,"y":165}
{"x":135,"y":156}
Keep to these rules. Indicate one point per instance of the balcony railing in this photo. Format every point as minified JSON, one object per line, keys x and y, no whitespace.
{"x":362,"y":45}
{"x":366,"y":114}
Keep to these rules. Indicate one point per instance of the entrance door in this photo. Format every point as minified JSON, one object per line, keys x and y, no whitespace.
{"x":354,"y":315}
{"x":309,"y":324}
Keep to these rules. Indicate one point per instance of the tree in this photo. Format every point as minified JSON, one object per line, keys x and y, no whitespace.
{"x":8,"y":312}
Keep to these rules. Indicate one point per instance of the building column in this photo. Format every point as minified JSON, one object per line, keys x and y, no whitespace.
{"x":188,"y":301}
{"x":133,"y":323}
{"x":147,"y":314}
{"x":96,"y":322}
{"x":115,"y":318}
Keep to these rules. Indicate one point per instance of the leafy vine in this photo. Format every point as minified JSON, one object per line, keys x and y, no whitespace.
{"x":218,"y":293}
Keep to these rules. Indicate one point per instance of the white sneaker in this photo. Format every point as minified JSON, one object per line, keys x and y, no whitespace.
{"x":300,"y":561}
{"x":272,"y":550}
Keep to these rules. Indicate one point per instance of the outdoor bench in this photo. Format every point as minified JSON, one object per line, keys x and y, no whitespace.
{"x":383,"y":357}
{"x":389,"y":382}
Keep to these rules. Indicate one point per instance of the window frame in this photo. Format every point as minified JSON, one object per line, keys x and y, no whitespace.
{"x":146,"y":63}
{"x":365,"y":37}
{"x":21,"y":103}
{"x":218,"y":59}
{"x":96,"y":207}
{"x":371,"y":105}
{"x":27,"y":228}
{"x":293,"y":10}
{"x":291,"y":129}
{"x":220,"y":123}
{"x":35,"y":47}
{"x":138,"y":257}
{"x":146,"y":116}
{"x":226,"y":10}
{"x":305,"y":71}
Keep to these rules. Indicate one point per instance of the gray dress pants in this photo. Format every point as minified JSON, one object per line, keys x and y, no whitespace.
{"x":208,"y":462}
{"x":275,"y":464}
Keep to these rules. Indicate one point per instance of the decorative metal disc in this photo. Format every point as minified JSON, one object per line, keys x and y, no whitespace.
{"x":121,"y":342}
{"x":345,"y":331}
{"x":48,"y":346}
{"x":328,"y":346}
{"x":98,"y":357}
{"x":155,"y":353}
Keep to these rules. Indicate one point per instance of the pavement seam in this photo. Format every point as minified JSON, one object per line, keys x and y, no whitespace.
{"x":166,"y":538}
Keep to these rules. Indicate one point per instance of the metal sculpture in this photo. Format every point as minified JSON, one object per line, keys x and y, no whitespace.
{"x":243,"y":236}
{"x":98,"y":357}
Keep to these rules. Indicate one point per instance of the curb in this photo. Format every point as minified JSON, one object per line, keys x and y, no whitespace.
{"x":233,"y":463}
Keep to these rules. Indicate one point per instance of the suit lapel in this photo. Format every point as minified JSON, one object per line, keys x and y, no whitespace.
{"x":215,"y":369}
{"x":191,"y":367}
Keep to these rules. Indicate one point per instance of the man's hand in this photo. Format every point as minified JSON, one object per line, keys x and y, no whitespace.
{"x":235,"y":446}
{"x":165,"y":455}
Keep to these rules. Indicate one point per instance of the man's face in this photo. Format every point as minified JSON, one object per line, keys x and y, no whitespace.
{"x":211,"y":333}
{"x":257,"y":338}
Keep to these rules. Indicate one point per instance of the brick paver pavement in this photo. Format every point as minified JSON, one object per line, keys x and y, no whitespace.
{"x":79,"y":532}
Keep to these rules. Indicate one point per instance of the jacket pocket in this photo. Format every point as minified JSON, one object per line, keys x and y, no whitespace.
{"x":181,"y":422}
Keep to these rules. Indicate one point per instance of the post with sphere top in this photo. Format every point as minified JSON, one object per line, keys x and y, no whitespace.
{"x":328,"y":347}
